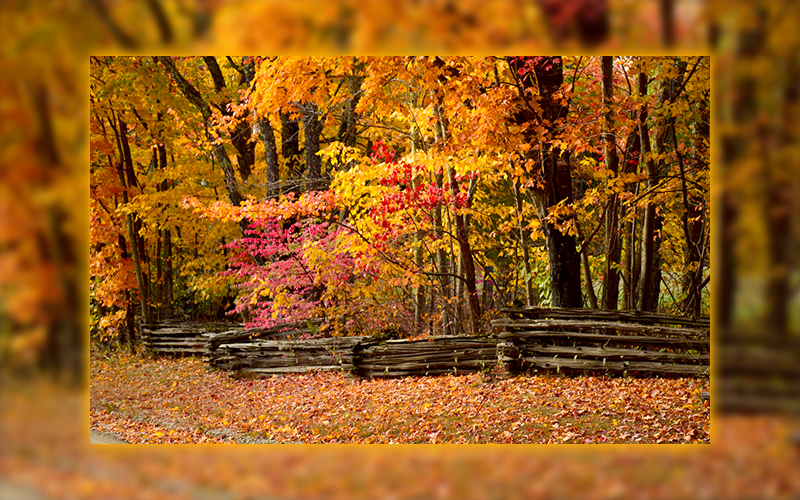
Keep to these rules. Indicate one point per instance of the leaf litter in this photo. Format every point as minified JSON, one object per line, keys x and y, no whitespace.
{"x":181,"y":400}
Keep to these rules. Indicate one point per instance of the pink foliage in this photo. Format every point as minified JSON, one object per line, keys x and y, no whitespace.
{"x":295,"y":272}
{"x":272,"y":260}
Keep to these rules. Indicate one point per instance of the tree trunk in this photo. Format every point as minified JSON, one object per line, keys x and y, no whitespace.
{"x":121,"y":133}
{"x":565,"y":266}
{"x":143,"y":255}
{"x":245,"y":149}
{"x":290,"y":145}
{"x":693,"y":264}
{"x":693,"y":217}
{"x":165,"y":255}
{"x":312,"y":129}
{"x":419,"y":307}
{"x":462,"y":236}
{"x":460,"y":296}
{"x":159,"y":283}
{"x":130,"y":318}
{"x":526,"y":261}
{"x":441,"y":261}
{"x":169,"y":310}
{"x":650,"y":281}
{"x":419,"y":296}
{"x":347,"y":128}
{"x":647,"y":285}
{"x":630,"y":265}
{"x":655,"y":271}
{"x":588,"y":284}
{"x":139,"y":274}
{"x":271,"y":156}
{"x":130,"y":322}
{"x":240,"y":137}
{"x":265,"y":133}
{"x":610,"y":293}
{"x":488,"y":289}
{"x":192,"y":94}
{"x":231,"y":184}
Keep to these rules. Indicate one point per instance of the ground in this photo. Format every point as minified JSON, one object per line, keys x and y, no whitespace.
{"x":97,"y":437}
{"x":164,"y":400}
{"x":45,"y":452}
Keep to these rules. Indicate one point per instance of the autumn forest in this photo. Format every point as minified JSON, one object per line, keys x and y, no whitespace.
{"x":418,"y":194}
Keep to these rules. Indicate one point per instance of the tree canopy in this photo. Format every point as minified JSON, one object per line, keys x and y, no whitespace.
{"x":412,"y":193}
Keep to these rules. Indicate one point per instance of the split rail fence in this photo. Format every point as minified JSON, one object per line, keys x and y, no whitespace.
{"x":360,"y":356}
{"x":175,"y":337}
{"x":431,"y":356}
{"x":526,"y":340}
{"x":754,"y":373}
{"x":590,"y":340}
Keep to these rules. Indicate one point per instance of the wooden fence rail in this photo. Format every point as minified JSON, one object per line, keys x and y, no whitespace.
{"x":269,"y":357}
{"x":285,"y":331}
{"x":535,"y":339}
{"x":172,"y":337}
{"x":754,"y":372}
{"x":431,"y":356}
{"x":176,"y":338}
{"x":528,"y":339}
{"x":530,"y":312}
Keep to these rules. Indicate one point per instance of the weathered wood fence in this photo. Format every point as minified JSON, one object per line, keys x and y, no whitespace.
{"x":284,"y":356}
{"x":757,"y":373}
{"x":589,"y":340}
{"x":431,"y":356}
{"x":527,"y":339}
{"x":175,"y":337}
{"x":754,"y":373}
{"x":361,"y":356}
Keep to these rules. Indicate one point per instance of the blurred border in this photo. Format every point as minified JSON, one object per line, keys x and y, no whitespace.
{"x":43,"y":152}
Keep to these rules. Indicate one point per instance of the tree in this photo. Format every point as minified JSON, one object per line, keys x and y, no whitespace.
{"x":213,"y":135}
{"x":613,"y":248}
{"x":544,"y":75}
{"x":417,"y":193}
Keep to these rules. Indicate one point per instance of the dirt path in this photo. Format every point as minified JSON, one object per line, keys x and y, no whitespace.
{"x":97,"y":437}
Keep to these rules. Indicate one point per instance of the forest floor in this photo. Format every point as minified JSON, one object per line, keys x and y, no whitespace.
{"x":182,"y":400}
